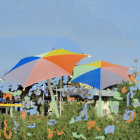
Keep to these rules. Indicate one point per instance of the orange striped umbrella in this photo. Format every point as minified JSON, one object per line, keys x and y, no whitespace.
{"x":30,"y":70}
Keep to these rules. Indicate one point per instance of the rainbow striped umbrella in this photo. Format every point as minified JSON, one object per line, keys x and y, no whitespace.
{"x":100,"y":74}
{"x":30,"y":70}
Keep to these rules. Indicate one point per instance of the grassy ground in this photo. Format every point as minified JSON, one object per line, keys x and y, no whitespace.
{"x":123,"y":130}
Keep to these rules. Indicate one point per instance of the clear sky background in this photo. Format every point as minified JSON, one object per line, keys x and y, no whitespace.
{"x":108,"y":30}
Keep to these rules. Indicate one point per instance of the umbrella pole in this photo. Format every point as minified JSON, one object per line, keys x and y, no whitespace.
{"x":100,"y":104}
{"x":61,"y":84}
{"x":60,"y":103}
{"x":53,"y":98}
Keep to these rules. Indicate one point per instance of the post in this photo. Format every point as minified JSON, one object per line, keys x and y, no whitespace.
{"x":43,"y":101}
{"x":53,"y":98}
{"x":43,"y":105}
{"x":6,"y":110}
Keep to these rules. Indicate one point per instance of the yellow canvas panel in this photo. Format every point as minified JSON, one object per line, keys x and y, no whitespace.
{"x":60,"y":52}
{"x":95,"y":64}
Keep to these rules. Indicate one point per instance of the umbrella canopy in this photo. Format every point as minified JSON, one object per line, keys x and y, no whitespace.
{"x":30,"y":70}
{"x":100,"y":74}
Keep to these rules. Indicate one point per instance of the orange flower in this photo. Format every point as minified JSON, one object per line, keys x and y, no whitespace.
{"x":8,"y":95}
{"x":72,"y":99}
{"x":5,"y":134}
{"x":8,"y":137}
{"x":99,"y":129}
{"x":128,"y":121}
{"x":90,"y":124}
{"x":5,"y":124}
{"x":69,"y":99}
{"x":60,"y":133}
{"x":124,"y":90}
{"x":50,"y":134}
{"x":23,"y":114}
{"x":132,"y":78}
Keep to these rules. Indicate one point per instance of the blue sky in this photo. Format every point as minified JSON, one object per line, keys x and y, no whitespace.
{"x":106,"y":29}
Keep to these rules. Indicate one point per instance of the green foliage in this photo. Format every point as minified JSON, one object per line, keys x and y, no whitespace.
{"x":123,"y":103}
{"x":123,"y":130}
